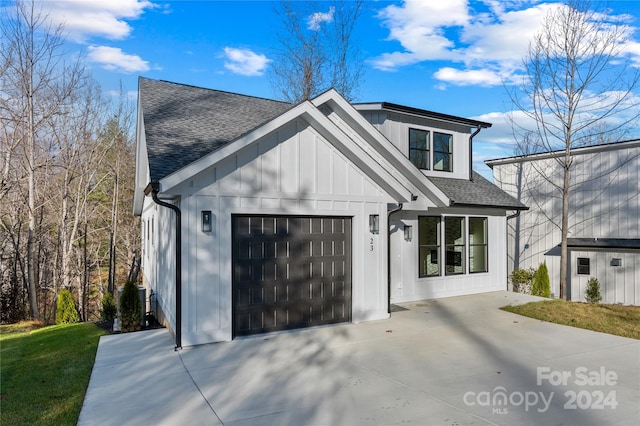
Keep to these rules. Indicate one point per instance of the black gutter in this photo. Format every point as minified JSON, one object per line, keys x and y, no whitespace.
{"x":389,"y":213}
{"x":471,"y":151}
{"x":516,"y":214}
{"x":516,"y":249}
{"x":436,"y":115}
{"x":154,"y":188}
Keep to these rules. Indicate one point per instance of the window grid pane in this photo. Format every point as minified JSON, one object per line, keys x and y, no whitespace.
{"x":478,"y":244}
{"x":455,"y":245}
{"x":442,"y":152}
{"x":429,"y":246}
{"x":584,"y":267}
{"x":419,"y":148}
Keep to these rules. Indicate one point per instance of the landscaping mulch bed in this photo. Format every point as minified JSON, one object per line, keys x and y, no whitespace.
{"x":151,"y":324}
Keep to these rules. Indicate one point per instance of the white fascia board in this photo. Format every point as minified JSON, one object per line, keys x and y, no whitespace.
{"x":142,"y":175}
{"x":395,"y":158}
{"x":326,"y":127}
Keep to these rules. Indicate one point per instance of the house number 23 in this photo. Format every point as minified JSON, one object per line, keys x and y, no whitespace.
{"x":370,"y":244}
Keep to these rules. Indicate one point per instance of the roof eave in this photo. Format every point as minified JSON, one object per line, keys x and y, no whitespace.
{"x":424,"y":113}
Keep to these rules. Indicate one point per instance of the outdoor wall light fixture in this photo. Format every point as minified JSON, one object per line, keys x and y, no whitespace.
{"x":374,"y":223}
{"x":206,"y":220}
{"x":408,"y":232}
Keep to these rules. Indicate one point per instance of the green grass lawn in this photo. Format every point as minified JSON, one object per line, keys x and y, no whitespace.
{"x":45,"y":372}
{"x":612,"y":319}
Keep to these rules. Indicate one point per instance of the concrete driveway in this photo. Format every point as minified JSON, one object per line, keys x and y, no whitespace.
{"x":455,"y":361}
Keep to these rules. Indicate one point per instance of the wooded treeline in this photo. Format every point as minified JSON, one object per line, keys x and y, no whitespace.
{"x":68,"y":163}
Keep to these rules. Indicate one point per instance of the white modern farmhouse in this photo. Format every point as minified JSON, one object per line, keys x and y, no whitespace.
{"x":604,"y":217}
{"x":260,"y":216}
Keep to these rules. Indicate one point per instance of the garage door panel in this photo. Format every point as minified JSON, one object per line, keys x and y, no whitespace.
{"x":290,"y":272}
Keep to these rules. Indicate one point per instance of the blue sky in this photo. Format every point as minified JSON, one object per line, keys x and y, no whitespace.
{"x":449,"y":56}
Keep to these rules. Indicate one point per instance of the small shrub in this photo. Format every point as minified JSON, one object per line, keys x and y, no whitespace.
{"x":66,"y":310}
{"x":130,"y":308}
{"x":109,"y":308}
{"x":593,"y":291}
{"x":541,"y":285}
{"x":522,"y":280}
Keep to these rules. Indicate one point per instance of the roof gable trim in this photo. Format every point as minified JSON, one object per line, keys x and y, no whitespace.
{"x":329,"y":130}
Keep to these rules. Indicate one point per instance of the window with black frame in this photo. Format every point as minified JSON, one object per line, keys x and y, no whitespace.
{"x":584,"y":266}
{"x":419,"y":148}
{"x":478,"y":244}
{"x":442,"y":152}
{"x":454,"y":237}
{"x":429,"y":246}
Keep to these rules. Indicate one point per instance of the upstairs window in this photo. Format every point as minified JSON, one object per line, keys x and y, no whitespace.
{"x":442,"y":152}
{"x":419,"y":148}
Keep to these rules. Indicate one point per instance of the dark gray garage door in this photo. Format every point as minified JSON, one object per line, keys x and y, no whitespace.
{"x":290,"y":272}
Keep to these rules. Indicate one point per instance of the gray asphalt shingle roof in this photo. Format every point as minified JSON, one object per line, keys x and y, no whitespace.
{"x":184,"y":123}
{"x":478,"y":192}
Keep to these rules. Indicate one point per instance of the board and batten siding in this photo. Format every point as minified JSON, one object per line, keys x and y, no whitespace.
{"x":395,"y":127}
{"x":618,"y":284}
{"x":604,"y":203}
{"x":158,"y":260}
{"x":406,"y":285}
{"x":293,"y":171}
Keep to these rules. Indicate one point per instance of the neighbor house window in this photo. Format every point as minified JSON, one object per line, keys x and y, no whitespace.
{"x":442,"y":152}
{"x":584,"y":267}
{"x":477,"y":244}
{"x":419,"y":148}
{"x":454,"y":237}
{"x":429,"y":246}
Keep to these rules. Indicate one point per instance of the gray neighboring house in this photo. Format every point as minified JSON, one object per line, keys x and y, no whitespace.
{"x":604,"y":219}
{"x":260,"y":216}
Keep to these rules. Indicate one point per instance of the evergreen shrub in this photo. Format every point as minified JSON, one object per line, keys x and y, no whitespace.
{"x":541,"y":285}
{"x":66,"y":309}
{"x":109,"y":308}
{"x":593,"y":291}
{"x":130,"y":308}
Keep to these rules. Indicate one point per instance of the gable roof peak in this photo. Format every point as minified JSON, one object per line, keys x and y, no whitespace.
{"x":183,"y":123}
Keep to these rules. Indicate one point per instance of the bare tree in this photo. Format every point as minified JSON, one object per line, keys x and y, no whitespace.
{"x":37,"y":84}
{"x":576,"y":80}
{"x":317,"y":50}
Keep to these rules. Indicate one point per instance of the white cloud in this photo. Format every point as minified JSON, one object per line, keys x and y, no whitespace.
{"x":114,"y":59}
{"x":633,"y":50}
{"x":245,"y":62}
{"x":418,"y":26}
{"x":488,"y":46}
{"x":317,"y":18}
{"x":506,"y":38}
{"x":131,"y":95}
{"x":468,"y":77}
{"x":90,"y":18}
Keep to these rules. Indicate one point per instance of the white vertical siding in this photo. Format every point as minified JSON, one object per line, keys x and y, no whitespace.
{"x":293,"y":172}
{"x":617,"y":283}
{"x":604,"y":203}
{"x":159,"y":270}
{"x":406,"y":285}
{"x":395,"y":127}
